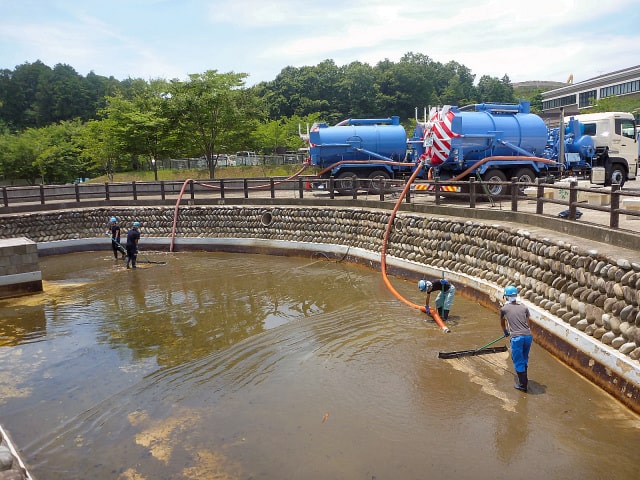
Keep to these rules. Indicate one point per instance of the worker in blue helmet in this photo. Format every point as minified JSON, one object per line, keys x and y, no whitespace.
{"x":133,"y":237}
{"x":446,"y":291}
{"x":515,"y":322}
{"x":114,"y":233}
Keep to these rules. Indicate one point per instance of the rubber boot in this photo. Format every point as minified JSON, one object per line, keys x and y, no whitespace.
{"x":522,"y":381}
{"x":445,"y":315}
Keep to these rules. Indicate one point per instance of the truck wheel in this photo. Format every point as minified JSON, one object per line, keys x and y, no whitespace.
{"x":617,"y":174}
{"x":346,"y":183}
{"x":525,"y":175}
{"x":496,"y":189}
{"x":378,"y":181}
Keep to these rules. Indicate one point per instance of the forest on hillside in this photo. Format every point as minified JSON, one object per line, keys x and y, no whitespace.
{"x":57,"y":125}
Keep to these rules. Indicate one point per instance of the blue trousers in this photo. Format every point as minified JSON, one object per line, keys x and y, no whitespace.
{"x":520,"y":347}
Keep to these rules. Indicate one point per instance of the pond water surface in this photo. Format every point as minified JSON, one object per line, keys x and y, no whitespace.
{"x":227,"y":366}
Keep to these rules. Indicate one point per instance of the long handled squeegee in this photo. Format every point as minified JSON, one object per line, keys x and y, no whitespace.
{"x":124,"y":250}
{"x":479,"y":351}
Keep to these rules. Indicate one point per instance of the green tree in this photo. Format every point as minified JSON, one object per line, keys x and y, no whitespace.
{"x":102,"y":148}
{"x":617,"y":104}
{"x":212,"y":110}
{"x":283,"y":133}
{"x":494,"y":90}
{"x":141,"y":122}
{"x":357,"y":87}
{"x":58,"y":156}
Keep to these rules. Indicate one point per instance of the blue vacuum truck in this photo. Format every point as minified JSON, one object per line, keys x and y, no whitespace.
{"x":490,"y":142}
{"x":361,"y":153}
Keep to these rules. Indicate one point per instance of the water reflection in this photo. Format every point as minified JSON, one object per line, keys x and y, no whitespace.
{"x":246,"y":366}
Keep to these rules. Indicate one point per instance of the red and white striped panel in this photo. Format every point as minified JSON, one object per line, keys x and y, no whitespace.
{"x":437,"y":139}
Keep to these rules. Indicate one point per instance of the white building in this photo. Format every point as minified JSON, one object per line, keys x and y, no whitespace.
{"x":574,"y":98}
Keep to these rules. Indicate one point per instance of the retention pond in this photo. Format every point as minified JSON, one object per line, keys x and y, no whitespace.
{"x":227,"y":366}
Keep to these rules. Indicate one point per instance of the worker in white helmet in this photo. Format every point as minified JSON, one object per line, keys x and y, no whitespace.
{"x":446,"y":291}
{"x":515,"y":322}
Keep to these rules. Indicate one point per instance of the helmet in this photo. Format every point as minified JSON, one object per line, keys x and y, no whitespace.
{"x":136,"y":224}
{"x":510,"y":291}
{"x":424,"y":285}
{"x":113,"y":219}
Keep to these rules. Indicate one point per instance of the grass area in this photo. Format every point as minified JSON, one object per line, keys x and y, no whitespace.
{"x":259,"y":171}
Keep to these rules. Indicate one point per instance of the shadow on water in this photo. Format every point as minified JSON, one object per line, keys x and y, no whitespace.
{"x":247,"y":366}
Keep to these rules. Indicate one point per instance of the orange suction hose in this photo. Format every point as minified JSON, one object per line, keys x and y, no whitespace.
{"x":383,"y":256}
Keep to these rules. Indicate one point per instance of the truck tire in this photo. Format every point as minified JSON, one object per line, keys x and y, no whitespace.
{"x":495,"y":175}
{"x":346,"y":183}
{"x":378,"y":181}
{"x":616,"y":174}
{"x":525,"y":175}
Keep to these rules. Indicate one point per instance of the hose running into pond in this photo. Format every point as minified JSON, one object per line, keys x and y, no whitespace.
{"x":215,"y":187}
{"x":383,"y":255}
{"x":385,"y":240}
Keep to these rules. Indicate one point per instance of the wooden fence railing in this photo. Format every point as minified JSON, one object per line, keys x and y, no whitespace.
{"x":612,"y":200}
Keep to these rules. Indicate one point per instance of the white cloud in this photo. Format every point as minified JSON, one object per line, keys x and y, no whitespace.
{"x":546,"y":39}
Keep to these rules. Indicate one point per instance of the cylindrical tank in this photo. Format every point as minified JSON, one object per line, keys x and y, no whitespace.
{"x":357,"y":140}
{"x":523,"y":130}
{"x":479,"y":134}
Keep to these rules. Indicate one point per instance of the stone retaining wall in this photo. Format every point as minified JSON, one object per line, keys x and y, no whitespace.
{"x":19,"y":270}
{"x":577,"y":294}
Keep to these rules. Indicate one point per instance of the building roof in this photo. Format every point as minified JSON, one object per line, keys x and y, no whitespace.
{"x":600,"y":80}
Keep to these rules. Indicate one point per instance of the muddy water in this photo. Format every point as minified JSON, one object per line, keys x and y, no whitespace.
{"x":220,"y":366}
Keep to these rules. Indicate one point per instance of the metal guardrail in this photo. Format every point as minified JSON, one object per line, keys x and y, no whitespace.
{"x":470,"y":193}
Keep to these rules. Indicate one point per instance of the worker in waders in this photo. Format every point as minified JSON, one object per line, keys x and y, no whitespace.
{"x":514,"y":320}
{"x":444,"y":300}
{"x":114,"y":233}
{"x":133,"y":236}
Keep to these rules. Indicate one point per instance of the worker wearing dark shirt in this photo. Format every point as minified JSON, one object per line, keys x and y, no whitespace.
{"x":446,"y":291}
{"x":133,"y":236}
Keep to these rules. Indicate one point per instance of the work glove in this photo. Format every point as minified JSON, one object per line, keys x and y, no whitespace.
{"x":427,"y":309}
{"x":506,"y":333}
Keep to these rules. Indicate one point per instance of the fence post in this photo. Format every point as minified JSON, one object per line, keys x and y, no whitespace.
{"x":472,"y":192}
{"x":408,"y":195}
{"x":540,"y":199}
{"x":331,"y":187}
{"x":272,"y":186}
{"x":5,"y":196}
{"x":135,"y":191}
{"x":514,"y":194}
{"x":192,"y":190}
{"x":300,"y":187}
{"x":77,"y":189}
{"x":221,"y":188}
{"x":614,"y":220}
{"x":41,"y":194}
{"x":573,"y":200}
{"x":162,"y":191}
{"x":106,"y":190}
{"x":436,"y":184}
{"x":246,"y":188}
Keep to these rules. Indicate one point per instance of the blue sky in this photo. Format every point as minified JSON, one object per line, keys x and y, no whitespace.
{"x":532,"y":40}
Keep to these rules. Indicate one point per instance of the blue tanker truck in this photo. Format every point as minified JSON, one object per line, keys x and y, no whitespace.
{"x":490,"y":142}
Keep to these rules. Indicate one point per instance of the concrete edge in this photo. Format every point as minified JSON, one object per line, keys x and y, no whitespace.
{"x":18,"y":278}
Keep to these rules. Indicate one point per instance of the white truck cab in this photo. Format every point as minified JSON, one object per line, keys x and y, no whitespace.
{"x":616,"y":145}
